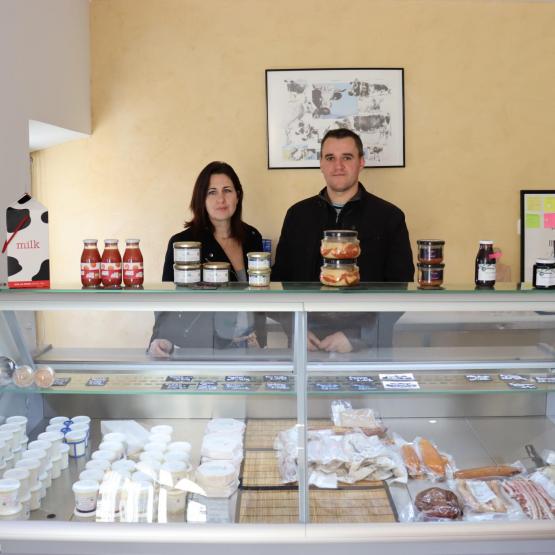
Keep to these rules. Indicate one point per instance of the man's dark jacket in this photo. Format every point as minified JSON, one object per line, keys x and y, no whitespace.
{"x":384,"y":239}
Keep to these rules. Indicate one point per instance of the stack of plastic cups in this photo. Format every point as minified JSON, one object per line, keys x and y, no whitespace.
{"x":24,"y":495}
{"x":10,"y":507}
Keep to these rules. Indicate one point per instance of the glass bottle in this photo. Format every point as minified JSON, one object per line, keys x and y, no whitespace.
{"x":133,"y":271}
{"x":90,"y":264}
{"x":110,"y":265}
{"x":484,"y":275}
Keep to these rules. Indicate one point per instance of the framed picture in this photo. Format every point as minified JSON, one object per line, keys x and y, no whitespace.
{"x":303,"y":104}
{"x":537,"y":229}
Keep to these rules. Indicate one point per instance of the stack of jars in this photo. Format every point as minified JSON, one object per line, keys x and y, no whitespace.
{"x":259,"y":268}
{"x":340,"y":249}
{"x":430,"y":263}
{"x":107,"y":271}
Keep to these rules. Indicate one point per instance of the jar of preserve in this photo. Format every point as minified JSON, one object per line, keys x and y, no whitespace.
{"x":430,"y":251}
{"x":340,"y":243}
{"x":215,"y":272}
{"x":90,"y":264}
{"x":485,"y":269}
{"x":258,"y":260}
{"x":544,"y":273}
{"x":339,"y":273}
{"x":186,"y":251}
{"x":430,"y":276}
{"x":133,"y":271}
{"x":259,"y":277}
{"x":185,"y":274}
{"x":110,"y":265}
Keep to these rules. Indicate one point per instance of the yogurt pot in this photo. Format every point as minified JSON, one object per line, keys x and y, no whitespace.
{"x":76,"y":440}
{"x":7,"y":438}
{"x":112,"y":446}
{"x":38,"y":454}
{"x":61,"y":420}
{"x":35,"y":497}
{"x":181,"y":456}
{"x":173,"y":471}
{"x":150,"y":467}
{"x":160,"y":438}
{"x":9,"y":492}
{"x":26,"y":507}
{"x":19,"y":420}
{"x":124,"y":466}
{"x":115,"y":436}
{"x":101,"y":464}
{"x":162,"y":429}
{"x":17,"y":429}
{"x":40,"y":444}
{"x":64,"y":456}
{"x":12,"y":429}
{"x":56,"y":466}
{"x":86,"y":496}
{"x":82,"y":418}
{"x":54,"y":428}
{"x":33,"y":467}
{"x":92,"y":474}
{"x":140,"y":476}
{"x":105,"y":455}
{"x":82,"y":427}
{"x":56,"y":438}
{"x":182,"y":446}
{"x":175,"y":501}
{"x":155,"y":447}
{"x":148,"y":456}
{"x":22,"y":476}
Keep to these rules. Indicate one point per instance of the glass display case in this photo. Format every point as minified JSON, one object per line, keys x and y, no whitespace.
{"x":373,"y":415}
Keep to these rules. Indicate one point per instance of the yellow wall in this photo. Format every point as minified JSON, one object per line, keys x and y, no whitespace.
{"x":177,"y":83}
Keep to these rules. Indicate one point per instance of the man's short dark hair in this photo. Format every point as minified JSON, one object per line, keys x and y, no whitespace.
{"x":343,"y":134}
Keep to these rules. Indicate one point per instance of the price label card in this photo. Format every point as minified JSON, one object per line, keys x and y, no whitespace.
{"x":402,"y":377}
{"x":97,"y":382}
{"x":513,"y":378}
{"x":237,"y":386}
{"x":60,"y":382}
{"x":327,"y":386}
{"x":407,"y":385}
{"x":519,"y":385}
{"x":478,"y":378}
{"x":180,"y":379}
{"x":175,"y":386}
{"x":278,"y":386}
{"x":276,"y":378}
{"x":207,"y":385}
{"x":545,"y":379}
{"x":243,"y":379}
{"x":363,"y":387}
{"x":360,"y":379}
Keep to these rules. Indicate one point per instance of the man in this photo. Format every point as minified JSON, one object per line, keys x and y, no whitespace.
{"x":343,"y":204}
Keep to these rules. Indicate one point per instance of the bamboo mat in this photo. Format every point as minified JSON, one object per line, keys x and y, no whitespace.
{"x":346,"y":506}
{"x":261,"y":433}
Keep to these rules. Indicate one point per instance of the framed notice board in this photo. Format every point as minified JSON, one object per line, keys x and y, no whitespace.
{"x":537,"y":229}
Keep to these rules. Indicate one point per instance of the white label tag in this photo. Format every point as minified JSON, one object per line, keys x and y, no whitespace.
{"x":481,"y":491}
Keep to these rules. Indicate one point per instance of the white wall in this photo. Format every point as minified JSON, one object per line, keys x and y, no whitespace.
{"x":44,"y":76}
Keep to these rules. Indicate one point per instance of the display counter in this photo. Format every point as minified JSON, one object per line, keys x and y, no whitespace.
{"x":318,"y":441}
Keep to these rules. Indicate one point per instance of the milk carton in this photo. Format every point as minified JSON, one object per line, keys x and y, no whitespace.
{"x":27,"y":244}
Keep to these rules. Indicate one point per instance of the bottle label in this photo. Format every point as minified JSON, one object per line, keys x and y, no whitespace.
{"x":111,"y":272}
{"x":133,"y":270}
{"x":186,"y":255}
{"x":186,"y":276}
{"x":215,"y":276}
{"x":486,"y":272}
{"x":90,"y":270}
{"x":545,"y":277}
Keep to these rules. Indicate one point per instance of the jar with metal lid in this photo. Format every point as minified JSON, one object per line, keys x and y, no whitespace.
{"x":430,"y":251}
{"x":186,"y":251}
{"x":340,"y":272}
{"x":544,"y":273}
{"x":340,"y":244}
{"x":259,"y":277}
{"x":215,"y":272}
{"x":185,"y":274}
{"x":258,"y":260}
{"x":430,"y":276}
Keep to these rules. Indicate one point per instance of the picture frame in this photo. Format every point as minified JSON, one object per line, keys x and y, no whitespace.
{"x":537,"y":228}
{"x":303,"y":104}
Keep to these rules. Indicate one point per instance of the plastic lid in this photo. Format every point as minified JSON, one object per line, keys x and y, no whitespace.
{"x":132,"y":241}
{"x":186,"y":266}
{"x":8,"y":484}
{"x":111,"y":241}
{"x":90,"y":241}
{"x":343,"y":233}
{"x":76,"y":436}
{"x":258,"y":271}
{"x":545,"y":260}
{"x":83,"y":486}
{"x":187,"y":245}
{"x":216,"y":265}
{"x":486,"y":242}
{"x":258,"y":254}
{"x":182,"y":446}
{"x":81,"y":418}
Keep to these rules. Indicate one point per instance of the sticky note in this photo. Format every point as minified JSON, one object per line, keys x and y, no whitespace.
{"x":532,"y":221}
{"x":549,"y":220}
{"x":549,"y":204}
{"x":534,"y":203}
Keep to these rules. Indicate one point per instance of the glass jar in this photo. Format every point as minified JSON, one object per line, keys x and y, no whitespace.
{"x":258,"y":260}
{"x":340,"y":244}
{"x":544,"y":273}
{"x":133,"y":270}
{"x":485,"y":268}
{"x":186,"y":251}
{"x":259,"y":277}
{"x":90,"y":264}
{"x":430,"y":276}
{"x":110,"y":265}
{"x":339,"y":273}
{"x":430,"y":251}
{"x":215,"y":272}
{"x":185,"y":274}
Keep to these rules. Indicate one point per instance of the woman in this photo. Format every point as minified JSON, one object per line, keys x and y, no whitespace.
{"x":216,"y":206}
